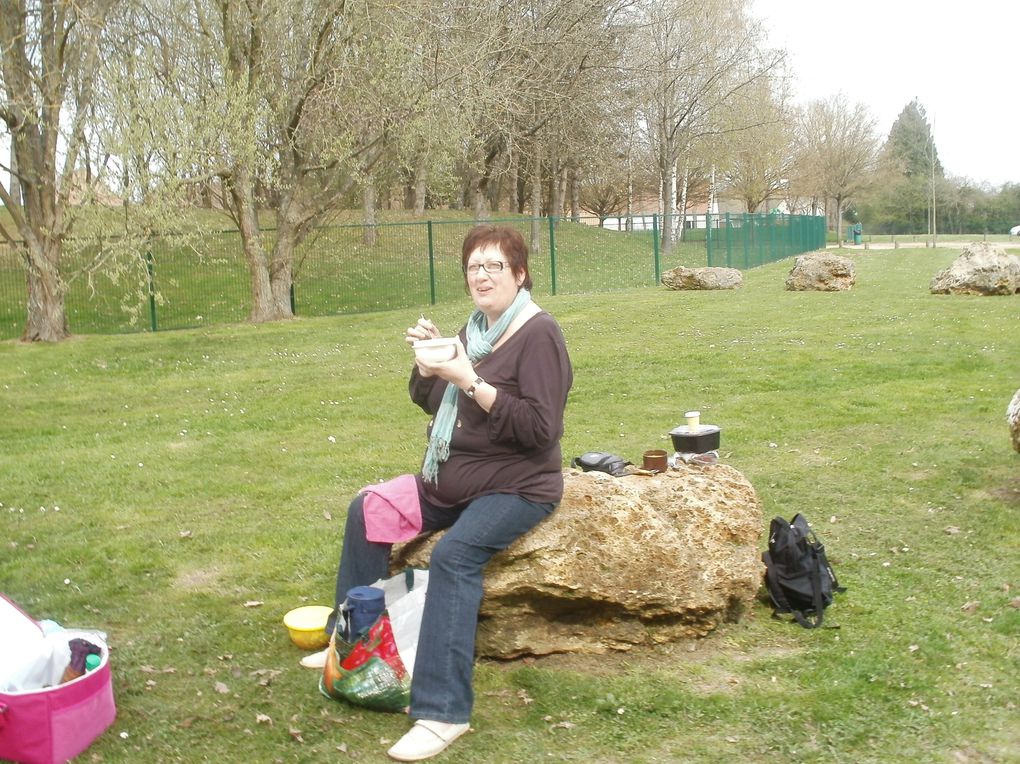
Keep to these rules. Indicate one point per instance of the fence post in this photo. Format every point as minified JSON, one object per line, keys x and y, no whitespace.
{"x":761,"y":226}
{"x":745,"y":224}
{"x":432,"y":265}
{"x":655,"y":246}
{"x":772,"y":238}
{"x":152,"y":289}
{"x":552,"y":251}
{"x":708,"y":238}
{"x":293,"y":301}
{"x":729,"y":241}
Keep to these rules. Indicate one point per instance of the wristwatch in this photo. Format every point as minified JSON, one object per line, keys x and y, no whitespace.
{"x":470,"y":392}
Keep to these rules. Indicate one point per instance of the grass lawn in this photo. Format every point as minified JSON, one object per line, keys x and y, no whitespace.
{"x":154,"y":484}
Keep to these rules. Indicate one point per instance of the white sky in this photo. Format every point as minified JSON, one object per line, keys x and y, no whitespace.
{"x":960,"y":60}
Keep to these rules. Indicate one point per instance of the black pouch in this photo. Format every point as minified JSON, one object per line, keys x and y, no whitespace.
{"x":600,"y":461}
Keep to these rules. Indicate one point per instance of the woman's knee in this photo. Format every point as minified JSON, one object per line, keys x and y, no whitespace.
{"x":356,"y":515}
{"x":452,"y":555}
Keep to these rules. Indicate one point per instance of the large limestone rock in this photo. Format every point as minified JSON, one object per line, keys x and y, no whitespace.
{"x":983,"y":269}
{"x":623,"y":562}
{"x":702,"y":278}
{"x":821,"y":272}
{"x":1013,"y":418}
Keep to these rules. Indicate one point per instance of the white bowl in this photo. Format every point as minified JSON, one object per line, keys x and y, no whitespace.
{"x":437,"y":350}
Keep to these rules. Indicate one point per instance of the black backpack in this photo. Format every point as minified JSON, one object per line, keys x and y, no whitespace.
{"x":797,"y":574}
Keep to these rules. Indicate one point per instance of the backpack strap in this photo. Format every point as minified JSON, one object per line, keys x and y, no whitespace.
{"x":782,"y":605}
{"x":816,"y":594}
{"x":779,"y":601}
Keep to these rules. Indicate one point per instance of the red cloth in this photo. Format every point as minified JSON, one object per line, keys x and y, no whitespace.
{"x":392,"y":510}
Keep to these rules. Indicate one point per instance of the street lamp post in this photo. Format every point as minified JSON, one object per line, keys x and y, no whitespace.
{"x":934,"y":227}
{"x":934,"y":217}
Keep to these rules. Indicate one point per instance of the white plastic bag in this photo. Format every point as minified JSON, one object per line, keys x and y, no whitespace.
{"x":31,"y":659}
{"x":375,"y":669}
{"x":405,"y":600}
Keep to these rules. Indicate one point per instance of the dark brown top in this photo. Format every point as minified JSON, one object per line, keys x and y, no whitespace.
{"x":515,"y":447}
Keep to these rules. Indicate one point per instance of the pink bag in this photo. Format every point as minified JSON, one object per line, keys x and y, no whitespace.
{"x":54,"y":724}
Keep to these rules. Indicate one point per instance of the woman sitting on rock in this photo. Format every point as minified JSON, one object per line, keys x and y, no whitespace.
{"x":491,"y":472}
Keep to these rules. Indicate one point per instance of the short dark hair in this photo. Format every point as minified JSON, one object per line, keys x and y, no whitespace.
{"x":510,"y":243}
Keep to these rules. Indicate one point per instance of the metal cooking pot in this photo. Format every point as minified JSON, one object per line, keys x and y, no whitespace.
{"x":697,"y":441}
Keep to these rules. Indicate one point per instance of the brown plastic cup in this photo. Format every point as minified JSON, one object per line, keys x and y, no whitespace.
{"x":655,"y":460}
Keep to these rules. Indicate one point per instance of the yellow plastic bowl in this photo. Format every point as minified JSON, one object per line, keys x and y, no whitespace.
{"x":306,"y":626}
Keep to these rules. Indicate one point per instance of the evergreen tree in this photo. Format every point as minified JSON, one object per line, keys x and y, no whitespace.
{"x":900,"y":200}
{"x":911,"y":144}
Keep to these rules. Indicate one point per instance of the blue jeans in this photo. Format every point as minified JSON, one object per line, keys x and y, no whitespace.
{"x":444,"y":666}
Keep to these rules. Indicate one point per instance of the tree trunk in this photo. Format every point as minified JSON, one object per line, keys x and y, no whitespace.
{"x":561,"y":193}
{"x":368,"y":231}
{"x":408,"y":189}
{"x":711,"y":193}
{"x":493,"y":186}
{"x":420,"y":190}
{"x":515,"y":187}
{"x":536,"y":200}
{"x":630,"y":193}
{"x":47,"y":315}
{"x":281,"y":270}
{"x":667,"y":202}
{"x":683,"y":197}
{"x":478,"y":202}
{"x":263,"y":307}
{"x":555,"y":189}
{"x":839,"y":219}
{"x":671,"y":210}
{"x":15,"y":185}
{"x":575,"y":195}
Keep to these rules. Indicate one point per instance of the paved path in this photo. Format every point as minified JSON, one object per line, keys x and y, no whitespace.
{"x":1010,"y":245}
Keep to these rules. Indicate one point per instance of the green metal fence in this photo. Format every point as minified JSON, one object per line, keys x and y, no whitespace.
{"x":745,"y":241}
{"x":356,"y":268}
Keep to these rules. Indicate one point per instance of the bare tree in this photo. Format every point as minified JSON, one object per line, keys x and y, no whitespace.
{"x":699,"y":62}
{"x":546,"y":69}
{"x":283,"y":69}
{"x":50,"y":64}
{"x":617,"y":168}
{"x":298,"y":101}
{"x":760,"y":157}
{"x":837,"y":147}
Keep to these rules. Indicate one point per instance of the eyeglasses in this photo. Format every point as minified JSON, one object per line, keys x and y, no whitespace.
{"x":493,"y":266}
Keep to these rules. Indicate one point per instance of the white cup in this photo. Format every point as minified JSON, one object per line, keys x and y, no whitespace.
{"x":693,"y":420}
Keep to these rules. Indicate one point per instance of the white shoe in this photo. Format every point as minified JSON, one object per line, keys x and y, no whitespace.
{"x":315,"y":660}
{"x":426,"y":739}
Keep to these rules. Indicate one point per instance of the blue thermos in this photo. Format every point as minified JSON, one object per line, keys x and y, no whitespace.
{"x":364,"y":606}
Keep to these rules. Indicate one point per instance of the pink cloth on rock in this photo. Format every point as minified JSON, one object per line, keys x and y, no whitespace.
{"x":392,"y":510}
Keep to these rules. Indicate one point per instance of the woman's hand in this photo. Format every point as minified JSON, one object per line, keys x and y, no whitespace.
{"x":457,"y":370}
{"x":424,"y":329}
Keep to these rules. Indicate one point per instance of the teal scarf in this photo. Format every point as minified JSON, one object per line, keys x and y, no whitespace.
{"x":479,"y":344}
